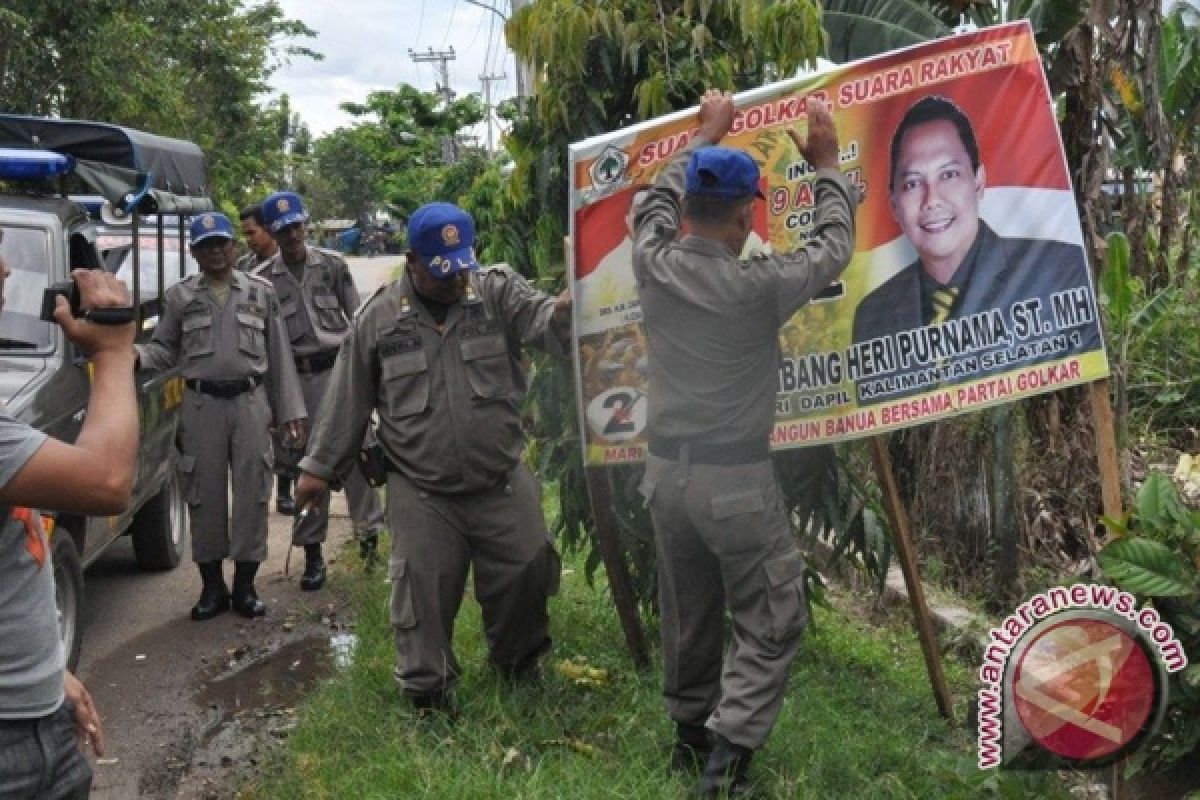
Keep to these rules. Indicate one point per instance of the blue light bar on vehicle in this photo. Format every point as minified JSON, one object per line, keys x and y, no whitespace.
{"x":33,"y":164}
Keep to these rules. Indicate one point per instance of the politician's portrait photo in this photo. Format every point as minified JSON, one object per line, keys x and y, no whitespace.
{"x":937,"y":181}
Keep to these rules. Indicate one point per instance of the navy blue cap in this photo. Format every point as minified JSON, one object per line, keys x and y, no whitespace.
{"x":210,"y":224}
{"x":282,"y":209}
{"x":443,"y":235}
{"x":716,"y":171}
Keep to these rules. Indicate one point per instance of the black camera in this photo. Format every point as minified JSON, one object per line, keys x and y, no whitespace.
{"x":70,"y":290}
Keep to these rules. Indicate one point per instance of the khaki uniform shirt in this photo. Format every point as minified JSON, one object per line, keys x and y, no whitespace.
{"x":240,"y":338}
{"x":317,"y":308}
{"x":712,"y":320}
{"x":448,"y":396}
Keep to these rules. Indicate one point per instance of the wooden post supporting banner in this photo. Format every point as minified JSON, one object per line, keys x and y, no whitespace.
{"x":912,"y":579}
{"x":611,"y":552}
{"x":1106,"y":449}
{"x":1110,"y":495}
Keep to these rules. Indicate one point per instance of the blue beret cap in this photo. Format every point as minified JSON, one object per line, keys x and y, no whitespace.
{"x":716,"y":171}
{"x":210,"y":224}
{"x":282,"y":209}
{"x":443,"y":235}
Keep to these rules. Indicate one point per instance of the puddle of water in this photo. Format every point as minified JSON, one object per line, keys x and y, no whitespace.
{"x":280,"y":679}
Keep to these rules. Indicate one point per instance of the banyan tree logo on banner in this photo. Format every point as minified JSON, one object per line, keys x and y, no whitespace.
{"x":1076,"y":677}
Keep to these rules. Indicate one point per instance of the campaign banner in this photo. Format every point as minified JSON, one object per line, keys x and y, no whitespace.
{"x":969,"y":284}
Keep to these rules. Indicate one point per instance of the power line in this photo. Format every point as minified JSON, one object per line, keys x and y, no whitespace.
{"x":420,"y":23}
{"x":450,"y":25}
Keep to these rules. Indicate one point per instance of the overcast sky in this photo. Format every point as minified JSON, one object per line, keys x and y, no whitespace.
{"x":366,"y":44}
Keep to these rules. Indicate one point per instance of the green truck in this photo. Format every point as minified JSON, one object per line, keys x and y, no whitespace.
{"x":86,"y":194}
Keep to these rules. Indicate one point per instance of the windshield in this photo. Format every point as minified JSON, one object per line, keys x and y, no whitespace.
{"x":114,"y":243}
{"x":27,"y":253}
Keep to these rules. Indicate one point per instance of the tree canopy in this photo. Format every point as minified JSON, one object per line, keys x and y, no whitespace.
{"x":191,"y":70}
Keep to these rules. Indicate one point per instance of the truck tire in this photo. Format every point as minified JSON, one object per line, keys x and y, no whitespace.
{"x":158,"y":528}
{"x":68,"y":594}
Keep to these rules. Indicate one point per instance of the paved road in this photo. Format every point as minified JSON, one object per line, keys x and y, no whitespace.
{"x":182,"y":699}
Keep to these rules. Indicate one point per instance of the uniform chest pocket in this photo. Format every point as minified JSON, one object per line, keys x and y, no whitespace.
{"x":404,"y":384}
{"x":197,"y":336}
{"x":289,"y":308}
{"x":485,"y":360}
{"x":251,"y":339}
{"x":329,"y":311}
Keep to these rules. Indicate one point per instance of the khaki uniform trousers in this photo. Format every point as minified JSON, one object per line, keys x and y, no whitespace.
{"x":366,"y":510}
{"x":226,"y":441}
{"x":501,"y":533}
{"x":724,"y":542}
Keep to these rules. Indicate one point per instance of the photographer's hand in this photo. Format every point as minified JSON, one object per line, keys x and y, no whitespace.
{"x":94,"y":475}
{"x":97,"y":289}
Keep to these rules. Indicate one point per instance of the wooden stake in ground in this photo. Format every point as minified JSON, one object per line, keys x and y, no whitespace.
{"x":1110,"y":494}
{"x":912,"y":579}
{"x":609,"y":542}
{"x":1106,"y":450}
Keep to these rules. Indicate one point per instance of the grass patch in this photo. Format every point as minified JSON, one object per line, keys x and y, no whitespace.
{"x":859,"y":721}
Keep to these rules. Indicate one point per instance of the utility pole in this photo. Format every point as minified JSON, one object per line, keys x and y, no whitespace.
{"x":523,"y":69}
{"x":487,"y":81}
{"x":524,"y":88}
{"x":441,"y":58}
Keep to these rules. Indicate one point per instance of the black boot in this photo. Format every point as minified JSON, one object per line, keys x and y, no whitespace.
{"x":368,"y":548}
{"x":693,"y":744}
{"x":725,"y":774}
{"x":314,"y":568}
{"x":284,"y":503}
{"x":245,"y":599}
{"x":214,"y":597}
{"x":435,"y":705}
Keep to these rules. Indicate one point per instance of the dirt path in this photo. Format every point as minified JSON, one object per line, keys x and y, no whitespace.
{"x":183,"y":702}
{"x":187,"y":703}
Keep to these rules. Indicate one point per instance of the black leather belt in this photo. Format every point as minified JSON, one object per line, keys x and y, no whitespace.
{"x":221,"y":387}
{"x":749,"y":451}
{"x":317,"y":362}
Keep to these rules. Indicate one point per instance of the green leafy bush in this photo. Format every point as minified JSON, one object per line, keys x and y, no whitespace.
{"x":1156,"y":556}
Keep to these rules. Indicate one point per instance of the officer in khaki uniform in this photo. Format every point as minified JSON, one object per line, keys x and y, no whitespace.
{"x":223,"y":326}
{"x":259,"y":242}
{"x":318,"y":299}
{"x":438,"y":354}
{"x":723,"y":539}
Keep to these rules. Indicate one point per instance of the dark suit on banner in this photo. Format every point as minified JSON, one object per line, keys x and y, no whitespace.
{"x":1000,"y":272}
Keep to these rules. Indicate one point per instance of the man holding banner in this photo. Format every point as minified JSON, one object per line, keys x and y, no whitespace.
{"x":723,"y":539}
{"x":964,"y":270}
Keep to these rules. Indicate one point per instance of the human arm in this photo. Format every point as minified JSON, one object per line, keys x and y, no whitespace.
{"x":95,"y":474}
{"x":657,"y":218}
{"x":340,"y":424}
{"x":530,"y":316}
{"x":283,"y":383}
{"x":163,"y":349}
{"x":88,"y":730}
{"x":797,"y":277}
{"x":348,"y":292}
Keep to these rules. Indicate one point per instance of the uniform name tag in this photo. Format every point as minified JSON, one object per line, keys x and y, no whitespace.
{"x":399,"y":344}
{"x":484,"y":327}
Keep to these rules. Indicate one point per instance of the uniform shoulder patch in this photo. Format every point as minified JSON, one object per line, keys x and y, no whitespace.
{"x":259,"y":279}
{"x":374,"y":296}
{"x":331,"y":256}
